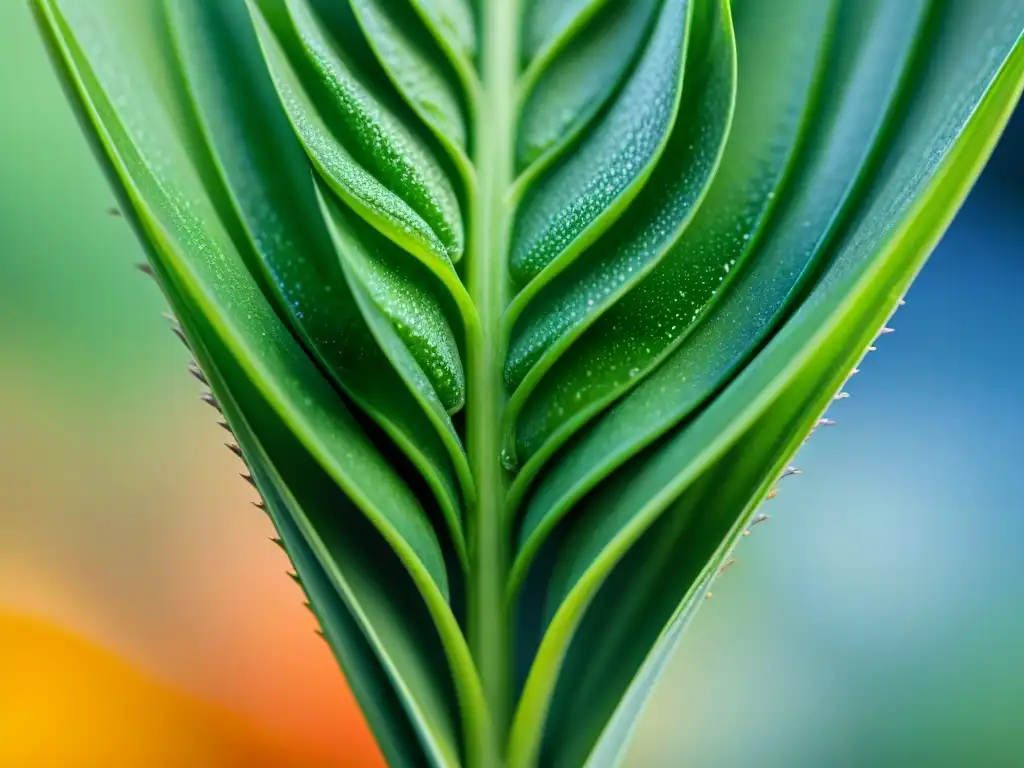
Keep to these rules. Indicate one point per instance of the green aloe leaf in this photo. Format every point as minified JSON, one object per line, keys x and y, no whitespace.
{"x":559,"y":101}
{"x":858,"y":81}
{"x":573,"y":204}
{"x":545,"y":326}
{"x":519,"y":309}
{"x":248,"y":136}
{"x":420,"y":73}
{"x":381,"y":143}
{"x":347,"y":563}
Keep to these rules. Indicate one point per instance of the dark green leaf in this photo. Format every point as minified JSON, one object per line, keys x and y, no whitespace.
{"x":568,"y":208}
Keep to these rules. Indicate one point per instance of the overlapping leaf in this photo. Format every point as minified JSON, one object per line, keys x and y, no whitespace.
{"x":702,"y":213}
{"x":641,"y":545}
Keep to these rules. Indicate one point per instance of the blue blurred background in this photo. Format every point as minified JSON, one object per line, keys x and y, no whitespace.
{"x":877,"y":619}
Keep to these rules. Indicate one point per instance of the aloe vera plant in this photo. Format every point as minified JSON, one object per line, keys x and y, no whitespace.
{"x":519,"y":310}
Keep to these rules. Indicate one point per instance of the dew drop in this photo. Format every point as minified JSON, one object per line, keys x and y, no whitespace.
{"x":508,"y":461}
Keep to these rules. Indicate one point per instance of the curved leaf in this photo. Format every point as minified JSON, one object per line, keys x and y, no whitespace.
{"x":360,"y":586}
{"x":411,"y":59}
{"x":748,"y":433}
{"x":565,"y":308}
{"x":575,"y":202}
{"x":354,"y":242}
{"x":660,"y":233}
{"x":375,"y":137}
{"x":292,"y":244}
{"x":382,"y":208}
{"x":453,"y":24}
{"x":548,"y":25}
{"x":747,"y":298}
{"x":412,"y":309}
{"x":775,"y":97}
{"x":564,"y":98}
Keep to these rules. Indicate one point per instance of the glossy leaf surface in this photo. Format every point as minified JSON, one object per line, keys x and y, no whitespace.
{"x":518,"y":310}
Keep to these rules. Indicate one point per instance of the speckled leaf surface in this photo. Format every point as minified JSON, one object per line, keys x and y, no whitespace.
{"x":571,"y":205}
{"x":518,"y":310}
{"x":559,"y":101}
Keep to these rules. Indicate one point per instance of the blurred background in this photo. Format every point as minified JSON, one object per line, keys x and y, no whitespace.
{"x":145,"y":619}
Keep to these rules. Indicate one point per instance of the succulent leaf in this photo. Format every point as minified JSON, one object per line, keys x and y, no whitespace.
{"x":519,"y":309}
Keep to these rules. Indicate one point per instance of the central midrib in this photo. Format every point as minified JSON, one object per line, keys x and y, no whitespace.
{"x":494,"y":126}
